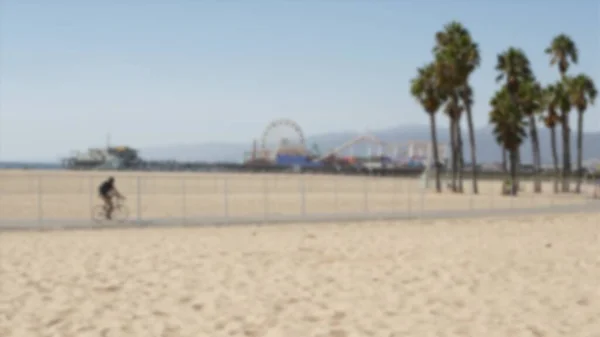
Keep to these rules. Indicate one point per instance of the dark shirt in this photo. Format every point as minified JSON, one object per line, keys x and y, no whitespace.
{"x":106,"y":187}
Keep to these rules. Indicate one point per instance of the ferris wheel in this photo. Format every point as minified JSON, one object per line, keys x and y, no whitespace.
{"x":282,"y":133}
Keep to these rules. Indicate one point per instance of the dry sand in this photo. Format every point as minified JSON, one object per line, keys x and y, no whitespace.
{"x":29,"y":195}
{"x":529,"y":276}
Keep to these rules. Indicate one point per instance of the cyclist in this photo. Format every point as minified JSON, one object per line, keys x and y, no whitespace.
{"x":107,"y":191}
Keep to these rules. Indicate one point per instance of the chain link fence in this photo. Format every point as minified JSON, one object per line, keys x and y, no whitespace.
{"x":67,"y":199}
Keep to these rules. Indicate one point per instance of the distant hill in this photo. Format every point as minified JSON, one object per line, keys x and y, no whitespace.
{"x":487,"y":149}
{"x":30,"y":165}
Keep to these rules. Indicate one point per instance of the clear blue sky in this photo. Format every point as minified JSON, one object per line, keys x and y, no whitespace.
{"x":200,"y":71}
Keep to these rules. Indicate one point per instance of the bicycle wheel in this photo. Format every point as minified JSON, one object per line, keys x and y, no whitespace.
{"x":98,"y":213}
{"x":120,"y":213}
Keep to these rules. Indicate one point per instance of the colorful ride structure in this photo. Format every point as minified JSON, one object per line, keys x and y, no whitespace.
{"x":283,"y":143}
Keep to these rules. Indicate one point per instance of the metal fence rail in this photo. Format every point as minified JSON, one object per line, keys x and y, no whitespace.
{"x":60,"y":199}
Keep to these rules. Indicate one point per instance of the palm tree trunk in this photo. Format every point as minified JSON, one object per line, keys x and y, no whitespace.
{"x":566,"y":170}
{"x":473,"y":147}
{"x":537,"y":162}
{"x":436,"y":155}
{"x":513,"y":171}
{"x":518,"y":182}
{"x":579,"y":150}
{"x":554,"y":158}
{"x":514,"y":154}
{"x":459,"y":154}
{"x":453,"y":153}
{"x":504,"y":160}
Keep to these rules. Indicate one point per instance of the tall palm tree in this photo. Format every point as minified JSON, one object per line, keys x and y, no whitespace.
{"x":425,"y":89}
{"x":564,"y":106}
{"x":531,"y":102}
{"x":551,"y":120}
{"x":563,"y":52}
{"x":509,"y":130}
{"x":446,"y":75}
{"x":457,"y":56}
{"x":582,"y":92}
{"x":454,"y":110}
{"x":514,"y":68}
{"x":444,"y":84}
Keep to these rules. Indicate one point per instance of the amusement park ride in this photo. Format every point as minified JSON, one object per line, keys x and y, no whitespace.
{"x":290,"y":149}
{"x":282,"y":144}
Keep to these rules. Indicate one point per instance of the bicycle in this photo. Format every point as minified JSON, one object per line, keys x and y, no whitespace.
{"x":120,"y":212}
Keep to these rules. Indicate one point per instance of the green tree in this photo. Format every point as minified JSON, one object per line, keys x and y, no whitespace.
{"x":446,"y":75}
{"x":563,"y":52}
{"x":457,"y":56}
{"x":509,"y":130}
{"x":514,"y":69}
{"x":561,"y":97}
{"x":425,"y":89}
{"x":532,"y":104}
{"x":551,"y":120}
{"x":582,"y":92}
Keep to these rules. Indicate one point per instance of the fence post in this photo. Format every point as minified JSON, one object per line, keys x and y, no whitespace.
{"x":226,"y":198}
{"x":422,"y":209}
{"x":336,"y":199}
{"x":302,"y":195}
{"x":471,"y":200}
{"x":395,"y":195}
{"x":512,"y":200}
{"x":184,"y":200}
{"x":91,"y":193}
{"x":139,"y":198}
{"x":493,"y":191}
{"x":266,"y":198}
{"x":40,"y":191}
{"x":408,"y":197}
{"x":366,"y":194}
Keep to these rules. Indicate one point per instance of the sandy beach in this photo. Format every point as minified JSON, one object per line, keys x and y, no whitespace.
{"x":519,"y":276}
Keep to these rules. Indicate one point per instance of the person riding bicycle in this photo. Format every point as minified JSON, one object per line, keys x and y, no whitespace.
{"x":107,"y":191}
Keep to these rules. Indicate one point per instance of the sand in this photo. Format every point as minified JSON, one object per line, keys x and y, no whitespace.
{"x":520,"y":276}
{"x":33,"y":195}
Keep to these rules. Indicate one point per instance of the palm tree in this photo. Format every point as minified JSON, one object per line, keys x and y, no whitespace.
{"x":513,"y":67}
{"x":564,"y":106}
{"x":424,"y":88}
{"x":445,"y":86}
{"x":457,"y":56}
{"x":551,"y":119}
{"x":563,"y":52}
{"x":509,"y":130}
{"x":446,"y":75}
{"x":531,"y":102}
{"x":454,"y":110}
{"x":582,"y":91}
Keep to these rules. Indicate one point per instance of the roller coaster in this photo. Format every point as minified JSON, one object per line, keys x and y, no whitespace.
{"x":295,"y":153}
